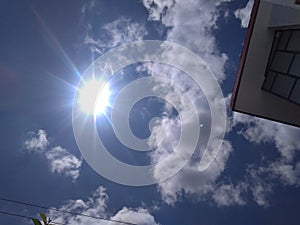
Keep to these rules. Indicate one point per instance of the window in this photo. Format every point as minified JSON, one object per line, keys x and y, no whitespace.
{"x":283,"y":85}
{"x":282,"y":76}
{"x":295,"y":68}
{"x":281,"y":61}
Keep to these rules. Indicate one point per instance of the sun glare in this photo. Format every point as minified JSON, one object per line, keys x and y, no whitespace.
{"x":89,"y":100}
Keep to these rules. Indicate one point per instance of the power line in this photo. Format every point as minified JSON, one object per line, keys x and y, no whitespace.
{"x":63,"y":211}
{"x":23,"y":216}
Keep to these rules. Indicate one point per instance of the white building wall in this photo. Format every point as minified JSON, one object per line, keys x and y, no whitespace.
{"x":250,"y":98}
{"x":287,"y":3}
{"x":284,"y":16}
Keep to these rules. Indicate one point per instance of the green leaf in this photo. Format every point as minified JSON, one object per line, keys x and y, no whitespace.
{"x":36,"y":221}
{"x":43,"y":216}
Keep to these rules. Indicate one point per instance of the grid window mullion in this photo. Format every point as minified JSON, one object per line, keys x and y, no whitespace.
{"x":276,"y":41}
{"x":282,"y":77}
{"x":287,"y":43}
{"x":293,"y":87}
{"x":273,"y":81}
{"x":291,"y":63}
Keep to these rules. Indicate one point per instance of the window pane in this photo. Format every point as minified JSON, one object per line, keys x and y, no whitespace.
{"x":274,"y":46}
{"x":296,"y":93}
{"x":295,"y":68}
{"x":283,"y":85}
{"x":284,"y":39}
{"x":281,"y":61}
{"x":294,"y":44}
{"x":269,"y":80}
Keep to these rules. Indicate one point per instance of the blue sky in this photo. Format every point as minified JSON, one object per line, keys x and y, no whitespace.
{"x":47,"y":46}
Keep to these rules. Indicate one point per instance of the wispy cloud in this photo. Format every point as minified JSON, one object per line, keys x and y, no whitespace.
{"x":97,"y":205}
{"x":60,"y":160}
{"x":285,"y":169}
{"x":157,"y":8}
{"x":36,"y":141}
{"x":284,"y":137}
{"x":115,"y":33}
{"x":228,"y":194}
{"x":63,"y":163}
{"x":289,"y":174}
{"x":243,"y":14}
{"x":259,"y":183}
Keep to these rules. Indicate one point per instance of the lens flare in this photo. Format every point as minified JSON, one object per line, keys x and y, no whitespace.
{"x":91,"y":101}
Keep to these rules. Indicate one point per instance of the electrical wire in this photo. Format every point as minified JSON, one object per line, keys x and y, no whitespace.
{"x":63,"y":211}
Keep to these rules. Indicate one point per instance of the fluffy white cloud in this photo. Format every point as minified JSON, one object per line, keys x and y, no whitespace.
{"x":96,"y":206}
{"x":117,"y":32}
{"x":136,"y":216}
{"x":191,"y":24}
{"x":243,"y":14}
{"x":60,"y":160}
{"x":36,"y":141}
{"x":64,"y":163}
{"x":189,"y":180}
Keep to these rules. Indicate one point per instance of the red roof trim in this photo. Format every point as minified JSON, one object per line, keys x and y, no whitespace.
{"x":244,"y":53}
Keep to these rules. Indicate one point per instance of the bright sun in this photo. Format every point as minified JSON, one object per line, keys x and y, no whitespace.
{"x":89,"y":100}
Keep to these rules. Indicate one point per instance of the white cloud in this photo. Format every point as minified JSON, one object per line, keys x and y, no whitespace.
{"x":262,"y":179}
{"x":96,"y":206}
{"x":284,"y":137}
{"x":243,"y":14}
{"x":136,"y":216}
{"x":228,"y":194}
{"x":259,"y":182}
{"x":260,"y":193}
{"x":88,"y":6}
{"x":36,"y":141}
{"x":289,"y":174}
{"x":191,"y":24}
{"x":60,"y":160}
{"x":64,"y":163}
{"x":117,"y":32}
{"x":188,"y":180}
{"x":157,"y":8}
